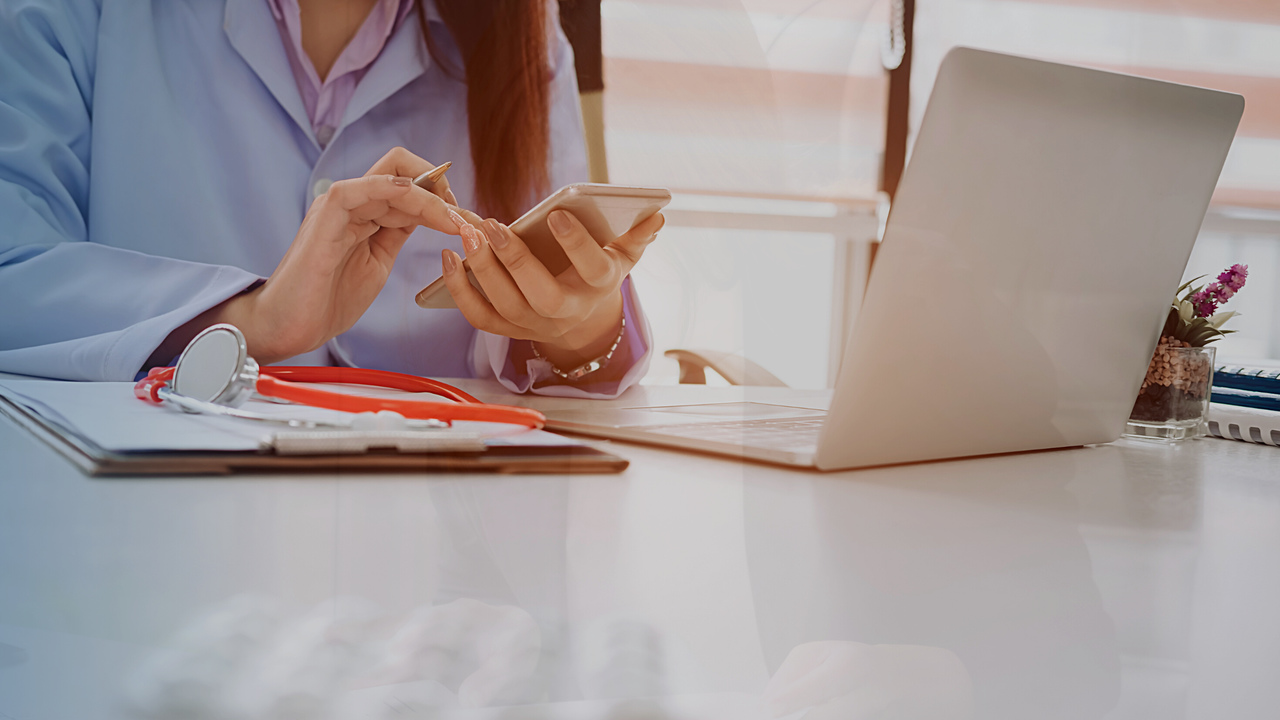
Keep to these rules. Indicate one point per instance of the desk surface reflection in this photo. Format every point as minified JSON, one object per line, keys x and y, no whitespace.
{"x":1123,"y":581}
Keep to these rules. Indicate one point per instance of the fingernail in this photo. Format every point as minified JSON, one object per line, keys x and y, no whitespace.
{"x":450,"y":264}
{"x":493,"y":231}
{"x":560,"y":221}
{"x":471,"y":239}
{"x":402,"y":181}
{"x":457,"y":219}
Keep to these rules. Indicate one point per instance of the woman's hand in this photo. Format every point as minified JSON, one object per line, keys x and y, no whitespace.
{"x":336,"y":266}
{"x":573,"y":316}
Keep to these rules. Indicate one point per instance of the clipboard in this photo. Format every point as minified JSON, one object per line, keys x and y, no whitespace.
{"x":210,"y":450}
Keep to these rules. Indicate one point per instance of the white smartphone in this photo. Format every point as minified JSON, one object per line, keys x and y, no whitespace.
{"x":606,"y":211}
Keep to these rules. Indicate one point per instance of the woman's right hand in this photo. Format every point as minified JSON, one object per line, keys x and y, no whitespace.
{"x":338,"y":262}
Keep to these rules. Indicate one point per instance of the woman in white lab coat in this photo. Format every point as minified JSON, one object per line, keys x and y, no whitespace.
{"x":160,"y":165}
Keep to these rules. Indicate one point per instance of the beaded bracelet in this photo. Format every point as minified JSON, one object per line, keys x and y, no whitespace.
{"x":588,"y":367}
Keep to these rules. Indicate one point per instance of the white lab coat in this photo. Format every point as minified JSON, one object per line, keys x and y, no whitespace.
{"x":156,"y":159}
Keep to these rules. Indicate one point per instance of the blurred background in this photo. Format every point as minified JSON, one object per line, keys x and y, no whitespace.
{"x":772,"y":122}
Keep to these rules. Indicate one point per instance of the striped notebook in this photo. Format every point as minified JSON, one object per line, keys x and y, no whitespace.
{"x":1248,"y":386}
{"x":1234,"y":422}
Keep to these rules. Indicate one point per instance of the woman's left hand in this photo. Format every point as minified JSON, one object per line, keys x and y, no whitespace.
{"x":573,"y":316}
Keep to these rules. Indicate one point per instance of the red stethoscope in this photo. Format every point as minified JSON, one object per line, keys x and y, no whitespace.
{"x":215,"y":374}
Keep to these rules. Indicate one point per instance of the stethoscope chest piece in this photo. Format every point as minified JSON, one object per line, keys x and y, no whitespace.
{"x":216,"y":368}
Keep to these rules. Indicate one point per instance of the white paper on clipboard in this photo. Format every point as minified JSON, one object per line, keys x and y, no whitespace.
{"x":111,"y":417}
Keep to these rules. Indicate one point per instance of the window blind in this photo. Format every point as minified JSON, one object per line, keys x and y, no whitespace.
{"x":775,"y":97}
{"x":1229,"y":45}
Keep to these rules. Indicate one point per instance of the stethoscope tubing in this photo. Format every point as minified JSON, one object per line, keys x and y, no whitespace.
{"x":290,"y":383}
{"x":270,"y":384}
{"x":366,"y":376}
{"x":200,"y":407}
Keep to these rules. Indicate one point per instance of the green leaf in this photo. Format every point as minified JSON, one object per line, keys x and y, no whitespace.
{"x":1184,"y":285}
{"x":1189,"y":330}
{"x":1219,"y":318}
{"x":1203,"y":335}
{"x":1171,"y":322}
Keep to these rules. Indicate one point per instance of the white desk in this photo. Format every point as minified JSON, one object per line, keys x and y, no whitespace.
{"x":1124,"y":581}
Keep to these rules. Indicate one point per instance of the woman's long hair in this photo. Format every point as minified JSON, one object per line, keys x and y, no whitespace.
{"x":503,"y":45}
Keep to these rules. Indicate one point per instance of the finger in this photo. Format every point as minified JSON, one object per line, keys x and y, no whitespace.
{"x":631,"y":244}
{"x":385,"y":244}
{"x":469,"y":216}
{"x":343,"y":213}
{"x":438,"y":187}
{"x":397,"y":218}
{"x":441,"y":190}
{"x":426,"y":208}
{"x":370,"y":211}
{"x":388,"y":217}
{"x":362,"y":230}
{"x":360,"y":200}
{"x":347,"y":195}
{"x":544,"y":293}
{"x":463,"y":219}
{"x":594,"y":265}
{"x":399,"y":161}
{"x":474,"y":307}
{"x":503,"y":292}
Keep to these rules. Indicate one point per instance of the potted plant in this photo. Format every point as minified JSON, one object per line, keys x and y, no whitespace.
{"x":1174,"y":398}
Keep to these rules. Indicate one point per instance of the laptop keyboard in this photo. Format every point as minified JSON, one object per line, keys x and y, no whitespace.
{"x":789,"y":434}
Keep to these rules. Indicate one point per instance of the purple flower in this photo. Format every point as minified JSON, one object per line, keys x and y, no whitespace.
{"x":1237,"y":274}
{"x":1204,"y":302}
{"x":1230,"y":281}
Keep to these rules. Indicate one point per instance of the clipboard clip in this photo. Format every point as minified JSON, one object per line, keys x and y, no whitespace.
{"x":358,"y":442}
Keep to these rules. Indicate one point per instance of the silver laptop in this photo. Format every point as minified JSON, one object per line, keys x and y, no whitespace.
{"x":1029,"y":260}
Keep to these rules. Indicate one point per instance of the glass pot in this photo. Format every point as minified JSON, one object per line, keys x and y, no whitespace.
{"x":1174,"y":401}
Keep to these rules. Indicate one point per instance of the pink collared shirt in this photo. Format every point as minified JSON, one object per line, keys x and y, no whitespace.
{"x":327,"y":100}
